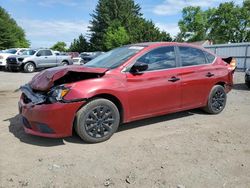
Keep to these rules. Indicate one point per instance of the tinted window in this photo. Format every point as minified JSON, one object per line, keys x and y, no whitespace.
{"x":29,"y":52}
{"x":210,"y":57}
{"x":47,"y":52}
{"x":160,"y":58}
{"x":191,"y":56}
{"x":44,"y":53}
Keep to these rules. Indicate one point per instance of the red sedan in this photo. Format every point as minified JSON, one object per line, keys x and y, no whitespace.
{"x":125,"y":84}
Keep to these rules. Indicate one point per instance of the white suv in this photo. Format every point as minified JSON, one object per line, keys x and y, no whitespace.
{"x":6,"y":53}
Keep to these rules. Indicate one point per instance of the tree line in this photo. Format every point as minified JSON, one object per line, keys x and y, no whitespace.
{"x":11,"y":35}
{"x":119,"y":22}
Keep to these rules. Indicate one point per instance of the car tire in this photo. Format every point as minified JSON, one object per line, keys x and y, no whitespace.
{"x":216,"y":100}
{"x":29,"y":67}
{"x":65,"y":63}
{"x":97,"y":121}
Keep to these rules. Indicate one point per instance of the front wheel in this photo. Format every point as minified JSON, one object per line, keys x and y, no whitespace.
{"x":216,"y":100}
{"x":29,"y":67}
{"x":97,"y":121}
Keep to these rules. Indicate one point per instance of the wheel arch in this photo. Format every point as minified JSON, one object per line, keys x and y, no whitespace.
{"x":107,"y":96}
{"x":221,"y":83}
{"x":113,"y":99}
{"x":66,"y":61}
{"x":29,"y":62}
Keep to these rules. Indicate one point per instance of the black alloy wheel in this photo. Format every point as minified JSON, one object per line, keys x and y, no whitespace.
{"x":217,"y":100}
{"x":97,"y":121}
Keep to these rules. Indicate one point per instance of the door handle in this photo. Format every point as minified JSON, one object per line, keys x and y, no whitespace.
{"x":173,"y":79}
{"x":209,"y":74}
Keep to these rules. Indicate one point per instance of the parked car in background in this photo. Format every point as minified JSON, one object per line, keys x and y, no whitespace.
{"x":247,"y":77}
{"x":6,"y":53}
{"x":73,"y":54}
{"x":33,"y":59}
{"x":123,"y":85}
{"x":85,"y":57}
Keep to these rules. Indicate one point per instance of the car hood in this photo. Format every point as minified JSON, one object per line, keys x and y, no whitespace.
{"x":46,"y":79}
{"x":5,"y":55}
{"x":20,"y":56}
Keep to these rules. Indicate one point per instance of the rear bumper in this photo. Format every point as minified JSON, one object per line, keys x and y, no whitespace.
{"x":49,"y":120}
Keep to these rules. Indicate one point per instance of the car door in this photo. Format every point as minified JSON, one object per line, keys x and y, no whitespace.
{"x":156,"y":90}
{"x":45,"y":58}
{"x":196,"y":77}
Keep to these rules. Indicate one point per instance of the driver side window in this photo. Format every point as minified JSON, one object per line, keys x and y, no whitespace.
{"x":160,"y":58}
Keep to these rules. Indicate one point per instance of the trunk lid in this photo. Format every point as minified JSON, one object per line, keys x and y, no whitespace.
{"x":44,"y":80}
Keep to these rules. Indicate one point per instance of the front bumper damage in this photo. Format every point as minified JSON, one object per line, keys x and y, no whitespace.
{"x":44,"y":119}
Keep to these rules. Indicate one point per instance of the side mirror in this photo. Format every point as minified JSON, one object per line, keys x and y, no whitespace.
{"x":139,"y":67}
{"x":38,"y":55}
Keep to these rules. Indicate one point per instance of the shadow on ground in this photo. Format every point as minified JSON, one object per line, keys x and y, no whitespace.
{"x":17,"y":130}
{"x":240,"y":86}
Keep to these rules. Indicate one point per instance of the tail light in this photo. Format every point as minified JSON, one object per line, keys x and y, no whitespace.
{"x":231,"y":62}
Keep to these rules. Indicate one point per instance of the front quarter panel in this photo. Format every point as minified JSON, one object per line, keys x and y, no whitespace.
{"x":109,"y":84}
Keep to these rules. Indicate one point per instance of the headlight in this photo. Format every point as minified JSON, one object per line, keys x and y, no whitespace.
{"x":57,"y":93}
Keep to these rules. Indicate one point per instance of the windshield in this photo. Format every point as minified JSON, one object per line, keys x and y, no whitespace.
{"x":29,"y":52}
{"x":10,"y":51}
{"x":114,"y":58}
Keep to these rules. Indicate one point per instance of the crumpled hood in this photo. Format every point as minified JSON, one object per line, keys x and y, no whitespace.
{"x":44,"y":80}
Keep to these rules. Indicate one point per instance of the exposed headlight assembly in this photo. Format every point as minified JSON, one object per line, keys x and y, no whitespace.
{"x":57,"y":93}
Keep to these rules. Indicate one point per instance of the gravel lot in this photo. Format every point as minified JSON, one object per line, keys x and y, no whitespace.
{"x":187,"y":149}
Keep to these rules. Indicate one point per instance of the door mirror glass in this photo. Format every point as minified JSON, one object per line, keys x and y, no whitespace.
{"x":139,"y":67}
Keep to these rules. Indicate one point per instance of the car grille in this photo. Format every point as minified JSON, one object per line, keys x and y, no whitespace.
{"x":11,"y":60}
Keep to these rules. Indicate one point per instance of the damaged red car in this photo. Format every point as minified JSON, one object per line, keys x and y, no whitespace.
{"x":123,"y":85}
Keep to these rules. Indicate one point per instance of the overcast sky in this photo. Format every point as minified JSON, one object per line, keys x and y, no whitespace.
{"x":48,"y":21}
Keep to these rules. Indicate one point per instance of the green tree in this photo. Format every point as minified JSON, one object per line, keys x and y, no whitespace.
{"x":115,"y":36}
{"x":229,"y":23}
{"x":127,"y":14}
{"x":194,"y":24}
{"x":59,"y":46}
{"x":226,"y":23}
{"x":11,"y":35}
{"x":79,"y":45}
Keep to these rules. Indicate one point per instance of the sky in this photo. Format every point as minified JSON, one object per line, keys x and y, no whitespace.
{"x":48,"y":21}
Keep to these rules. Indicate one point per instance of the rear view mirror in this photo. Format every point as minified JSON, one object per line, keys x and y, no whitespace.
{"x":139,"y":67}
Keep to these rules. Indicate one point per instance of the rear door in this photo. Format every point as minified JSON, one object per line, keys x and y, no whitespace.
{"x":196,"y":77}
{"x":156,"y":90}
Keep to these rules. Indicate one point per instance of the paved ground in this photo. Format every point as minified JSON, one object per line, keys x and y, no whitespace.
{"x":187,"y":149}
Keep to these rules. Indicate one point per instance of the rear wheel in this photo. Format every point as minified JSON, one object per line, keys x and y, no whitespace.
{"x":29,"y":67}
{"x":216,"y":100}
{"x":65,"y":63}
{"x":97,"y":121}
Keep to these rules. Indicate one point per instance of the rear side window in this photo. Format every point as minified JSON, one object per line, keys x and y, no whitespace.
{"x":44,"y":53}
{"x":160,"y":58}
{"x":191,"y":56}
{"x":210,"y":57}
{"x":47,"y":52}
